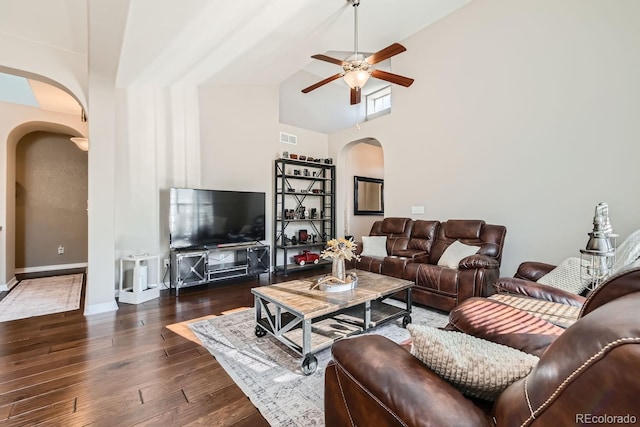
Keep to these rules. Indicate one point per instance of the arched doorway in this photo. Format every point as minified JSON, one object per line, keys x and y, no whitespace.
{"x":364,"y":158}
{"x":51,"y":177}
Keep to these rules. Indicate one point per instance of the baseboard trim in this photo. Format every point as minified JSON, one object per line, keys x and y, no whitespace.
{"x":57,"y":267}
{"x":7,"y":287}
{"x":100,"y":308}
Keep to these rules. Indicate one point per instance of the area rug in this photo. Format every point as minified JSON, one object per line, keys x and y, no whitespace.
{"x":45,"y":295}
{"x":269,"y":373}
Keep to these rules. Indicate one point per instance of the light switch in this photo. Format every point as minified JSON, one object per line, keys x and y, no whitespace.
{"x":417,"y":209}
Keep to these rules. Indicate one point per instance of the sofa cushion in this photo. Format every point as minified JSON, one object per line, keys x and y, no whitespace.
{"x":463,"y":228}
{"x":374,"y":246}
{"x":476,"y":367}
{"x":455,"y":252}
{"x":565,"y":276}
{"x":396,"y":226}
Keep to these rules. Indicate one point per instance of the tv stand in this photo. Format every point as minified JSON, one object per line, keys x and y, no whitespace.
{"x":198,"y":266}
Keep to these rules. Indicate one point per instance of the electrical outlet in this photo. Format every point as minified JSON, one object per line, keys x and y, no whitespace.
{"x":166,"y":263}
{"x":60,"y":250}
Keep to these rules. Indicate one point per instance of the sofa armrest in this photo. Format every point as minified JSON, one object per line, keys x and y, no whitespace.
{"x":536,"y":290}
{"x":374,"y":381}
{"x":530,"y":270}
{"x":503,"y":324}
{"x":478,"y":261}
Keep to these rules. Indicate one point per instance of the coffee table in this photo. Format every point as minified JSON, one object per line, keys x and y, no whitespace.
{"x":308,"y":320}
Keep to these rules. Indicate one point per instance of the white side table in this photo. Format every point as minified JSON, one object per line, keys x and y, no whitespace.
{"x":141,"y":289}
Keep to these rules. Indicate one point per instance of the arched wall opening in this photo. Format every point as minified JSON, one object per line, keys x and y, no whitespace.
{"x":362,"y":157}
{"x":8,"y":236}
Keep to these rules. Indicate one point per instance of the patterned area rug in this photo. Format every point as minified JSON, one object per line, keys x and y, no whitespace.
{"x":269,"y":373}
{"x":37,"y":297}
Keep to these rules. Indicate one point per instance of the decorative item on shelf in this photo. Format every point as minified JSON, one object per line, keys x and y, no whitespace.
{"x":291,"y":190}
{"x":597,"y":259}
{"x":293,"y":156}
{"x":306,"y":257}
{"x":296,"y":172}
{"x":309,"y":159}
{"x":285,"y":154}
{"x":285,"y":240}
{"x":306,"y":172}
{"x":314,"y":238}
{"x":314,"y":213}
{"x":303,"y":236}
{"x":338,"y":250}
{"x":317,"y":160}
{"x":328,"y":161}
{"x":304,"y":191}
{"x":302,"y":157}
{"x":317,"y":191}
{"x":294,"y":241}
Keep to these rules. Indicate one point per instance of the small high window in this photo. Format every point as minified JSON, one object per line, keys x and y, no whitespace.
{"x":379,"y":103}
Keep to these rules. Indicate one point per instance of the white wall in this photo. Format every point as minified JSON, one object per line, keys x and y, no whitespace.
{"x":523,"y":114}
{"x":240,"y":136}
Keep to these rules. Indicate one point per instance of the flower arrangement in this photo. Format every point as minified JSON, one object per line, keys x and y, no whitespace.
{"x":340,"y":249}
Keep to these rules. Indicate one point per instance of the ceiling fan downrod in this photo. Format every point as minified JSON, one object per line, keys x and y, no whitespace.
{"x":355,"y":4}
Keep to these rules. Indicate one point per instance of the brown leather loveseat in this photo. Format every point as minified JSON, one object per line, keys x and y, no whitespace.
{"x":587,"y":375}
{"x":414,"y":248}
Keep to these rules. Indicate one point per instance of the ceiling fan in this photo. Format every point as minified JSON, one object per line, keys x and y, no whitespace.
{"x":357,"y":69}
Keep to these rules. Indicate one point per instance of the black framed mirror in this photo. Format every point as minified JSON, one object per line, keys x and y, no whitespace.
{"x":368,"y":196}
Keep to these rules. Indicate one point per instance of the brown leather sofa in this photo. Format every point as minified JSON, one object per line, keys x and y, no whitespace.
{"x":587,"y":374}
{"x":408,"y":241}
{"x":414,"y":248}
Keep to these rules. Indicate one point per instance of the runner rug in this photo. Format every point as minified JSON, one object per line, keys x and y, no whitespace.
{"x":37,"y":297}
{"x":269,"y":373}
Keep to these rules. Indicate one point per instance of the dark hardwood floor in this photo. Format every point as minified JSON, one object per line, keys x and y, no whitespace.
{"x":124,"y":368}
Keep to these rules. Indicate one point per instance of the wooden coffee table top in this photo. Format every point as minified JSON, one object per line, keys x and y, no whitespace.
{"x":297,"y":297}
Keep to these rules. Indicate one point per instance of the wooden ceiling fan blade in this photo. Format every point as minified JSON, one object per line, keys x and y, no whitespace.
{"x":321,"y":83}
{"x":385,"y":53}
{"x":393,"y":78}
{"x":328,"y":59}
{"x":355,"y":95}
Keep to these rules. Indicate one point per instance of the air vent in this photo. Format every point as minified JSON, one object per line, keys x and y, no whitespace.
{"x":287,"y":138}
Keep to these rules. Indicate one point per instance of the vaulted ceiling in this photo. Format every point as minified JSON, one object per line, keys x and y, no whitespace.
{"x":209,"y":42}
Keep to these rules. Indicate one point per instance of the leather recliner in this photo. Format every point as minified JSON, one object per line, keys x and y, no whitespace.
{"x":589,"y":373}
{"x":444,"y":288}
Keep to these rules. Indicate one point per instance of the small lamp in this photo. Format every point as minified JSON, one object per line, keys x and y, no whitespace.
{"x":597,"y":259}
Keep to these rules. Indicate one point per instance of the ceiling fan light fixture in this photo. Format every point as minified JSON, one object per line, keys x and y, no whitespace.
{"x":356,"y":78}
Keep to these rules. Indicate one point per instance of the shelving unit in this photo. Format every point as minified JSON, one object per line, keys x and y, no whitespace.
{"x":304,"y":200}
{"x":145,"y":276}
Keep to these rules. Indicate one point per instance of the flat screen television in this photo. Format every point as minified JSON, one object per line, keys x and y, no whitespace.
{"x":201,"y":218}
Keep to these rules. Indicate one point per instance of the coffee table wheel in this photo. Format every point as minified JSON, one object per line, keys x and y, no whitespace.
{"x":260,"y":332}
{"x":406,"y":320}
{"x":309,"y":364}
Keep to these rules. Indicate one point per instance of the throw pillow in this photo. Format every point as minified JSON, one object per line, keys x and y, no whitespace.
{"x":474,"y":366}
{"x":565,"y":276}
{"x":455,"y":252}
{"x":374,"y":246}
